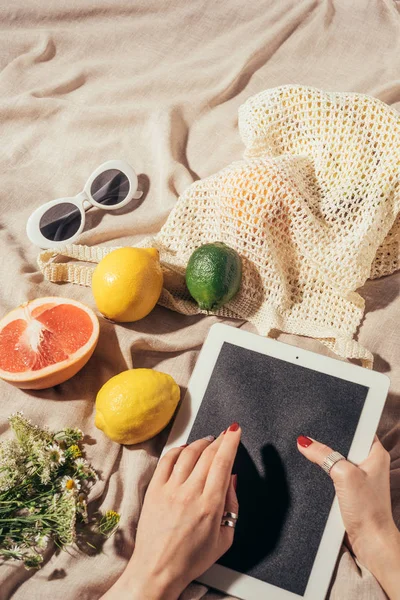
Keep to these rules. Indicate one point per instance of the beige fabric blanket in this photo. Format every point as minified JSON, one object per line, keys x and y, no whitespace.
{"x":159,"y":84}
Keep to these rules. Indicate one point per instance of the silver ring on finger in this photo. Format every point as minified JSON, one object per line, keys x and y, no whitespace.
{"x":228,"y":523}
{"x":229,"y":519}
{"x":330,"y":460}
{"x":230,"y":515}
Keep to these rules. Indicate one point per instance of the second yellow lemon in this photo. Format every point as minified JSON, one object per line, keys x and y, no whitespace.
{"x":127,"y":283}
{"x":136,"y":405}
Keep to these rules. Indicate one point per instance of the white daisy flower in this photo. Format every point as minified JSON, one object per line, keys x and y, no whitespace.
{"x":70,"y":484}
{"x":42,"y":540}
{"x":56,"y":455}
{"x":82,"y":464}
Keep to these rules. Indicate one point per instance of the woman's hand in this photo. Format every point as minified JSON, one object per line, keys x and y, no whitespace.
{"x":364,"y":499}
{"x":179,"y":534}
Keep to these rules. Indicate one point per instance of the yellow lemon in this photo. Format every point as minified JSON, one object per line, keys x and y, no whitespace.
{"x":136,"y":405}
{"x":127,"y":283}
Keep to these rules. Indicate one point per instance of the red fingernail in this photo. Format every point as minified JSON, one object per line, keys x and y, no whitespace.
{"x":233,"y":427}
{"x":184,"y":446}
{"x":304,"y":441}
{"x":235,"y":482}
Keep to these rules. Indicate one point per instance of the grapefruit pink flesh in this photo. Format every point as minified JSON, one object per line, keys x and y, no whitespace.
{"x":44,"y":335}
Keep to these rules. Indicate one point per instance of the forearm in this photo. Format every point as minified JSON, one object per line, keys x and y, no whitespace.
{"x":385,"y":564}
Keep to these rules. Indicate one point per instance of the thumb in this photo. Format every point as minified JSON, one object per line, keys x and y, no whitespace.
{"x":316,"y":452}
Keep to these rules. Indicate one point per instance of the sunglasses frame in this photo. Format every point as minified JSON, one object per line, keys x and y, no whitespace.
{"x":83,"y":201}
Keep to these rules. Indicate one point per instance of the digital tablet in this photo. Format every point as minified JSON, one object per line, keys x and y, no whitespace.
{"x":289,"y":529}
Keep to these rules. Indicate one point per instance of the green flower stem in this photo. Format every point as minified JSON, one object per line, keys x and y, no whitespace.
{"x":35,"y":507}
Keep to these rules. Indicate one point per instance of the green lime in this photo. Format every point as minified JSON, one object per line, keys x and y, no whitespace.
{"x":213,"y":275}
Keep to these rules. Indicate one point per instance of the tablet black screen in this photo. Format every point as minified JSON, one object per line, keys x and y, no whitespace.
{"x":284,"y":499}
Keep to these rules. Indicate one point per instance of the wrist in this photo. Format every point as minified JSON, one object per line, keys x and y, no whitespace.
{"x":137,"y":583}
{"x":153,"y":589}
{"x":388,"y":552}
{"x":382,"y":556}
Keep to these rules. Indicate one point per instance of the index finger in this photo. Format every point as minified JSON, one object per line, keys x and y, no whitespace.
{"x":219,"y":475}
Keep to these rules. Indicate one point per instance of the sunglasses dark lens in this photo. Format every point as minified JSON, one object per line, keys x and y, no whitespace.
{"x":110,"y":187}
{"x":60,"y":222}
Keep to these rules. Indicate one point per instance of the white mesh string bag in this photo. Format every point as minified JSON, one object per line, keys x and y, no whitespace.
{"x":313,"y":210}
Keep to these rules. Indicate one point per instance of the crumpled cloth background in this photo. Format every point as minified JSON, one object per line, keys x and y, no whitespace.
{"x":159,"y":84}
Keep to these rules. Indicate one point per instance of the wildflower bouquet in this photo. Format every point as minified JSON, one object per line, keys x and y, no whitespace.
{"x":44,"y":482}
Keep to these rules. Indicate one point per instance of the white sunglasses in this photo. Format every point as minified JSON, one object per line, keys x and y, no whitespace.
{"x":61,"y":221}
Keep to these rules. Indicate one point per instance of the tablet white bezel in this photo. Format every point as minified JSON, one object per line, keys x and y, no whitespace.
{"x":238,"y":584}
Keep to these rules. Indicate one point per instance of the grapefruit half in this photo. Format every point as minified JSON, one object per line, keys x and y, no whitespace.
{"x":46,"y":341}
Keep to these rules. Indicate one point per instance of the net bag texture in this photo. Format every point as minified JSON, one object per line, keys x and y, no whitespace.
{"x":313,"y":210}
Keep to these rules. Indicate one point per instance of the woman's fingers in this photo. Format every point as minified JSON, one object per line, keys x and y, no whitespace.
{"x":165,"y":466}
{"x":188,"y":459}
{"x":231,"y":506}
{"x":199,"y":474}
{"x":317,"y":452}
{"x":231,"y":501}
{"x":220,"y":471}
